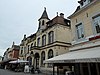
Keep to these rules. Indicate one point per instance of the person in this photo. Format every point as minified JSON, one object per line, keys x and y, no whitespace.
{"x":26,"y":68}
{"x":5,"y":66}
{"x":32,"y":69}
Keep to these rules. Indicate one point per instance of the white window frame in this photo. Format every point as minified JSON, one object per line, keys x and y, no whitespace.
{"x":96,"y":20}
{"x":79,"y":31}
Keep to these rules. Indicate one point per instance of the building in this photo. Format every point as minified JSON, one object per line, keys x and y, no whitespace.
{"x":0,"y":58}
{"x":52,"y":38}
{"x":83,"y":57}
{"x":11,"y":54}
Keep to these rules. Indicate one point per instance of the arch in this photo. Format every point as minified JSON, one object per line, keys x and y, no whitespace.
{"x":38,"y":41}
{"x":50,"y":53}
{"x":31,"y":52}
{"x":36,"y":60}
{"x":51,"y":37}
{"x":43,"y":22}
{"x":29,"y":58}
{"x":42,"y":57}
{"x":36,"y":55}
{"x":43,"y":40}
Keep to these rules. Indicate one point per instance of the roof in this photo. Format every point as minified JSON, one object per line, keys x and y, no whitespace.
{"x":78,"y":10}
{"x":16,"y":47}
{"x":59,"y":20}
{"x":44,"y":15}
{"x":32,"y":36}
{"x":87,"y":55}
{"x":81,"y":1}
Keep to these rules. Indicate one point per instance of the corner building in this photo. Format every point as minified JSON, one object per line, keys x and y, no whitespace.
{"x":52,"y":38}
{"x":84,"y":53}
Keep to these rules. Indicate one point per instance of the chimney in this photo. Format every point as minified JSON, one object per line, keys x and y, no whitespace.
{"x":24,"y":36}
{"x":61,"y":15}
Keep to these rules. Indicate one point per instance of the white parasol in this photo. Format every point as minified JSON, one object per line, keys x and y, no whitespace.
{"x":19,"y":61}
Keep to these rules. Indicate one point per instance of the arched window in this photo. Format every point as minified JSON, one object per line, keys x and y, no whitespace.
{"x":50,"y":53}
{"x":38,"y":42}
{"x":31,"y":45}
{"x":51,"y":37}
{"x":31,"y":52}
{"x":42,"y":58}
{"x":35,"y":44}
{"x":43,"y":40}
{"x":21,"y":50}
{"x":43,"y":22}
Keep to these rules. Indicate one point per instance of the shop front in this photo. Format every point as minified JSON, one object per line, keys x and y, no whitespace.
{"x":81,"y":62}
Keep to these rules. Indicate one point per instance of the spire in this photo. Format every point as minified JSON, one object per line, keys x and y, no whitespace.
{"x":13,"y":43}
{"x":44,"y":15}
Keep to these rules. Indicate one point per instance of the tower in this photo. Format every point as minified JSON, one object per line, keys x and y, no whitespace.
{"x":43,"y":19}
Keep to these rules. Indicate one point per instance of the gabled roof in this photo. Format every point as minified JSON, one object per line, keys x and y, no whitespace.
{"x":44,"y":15}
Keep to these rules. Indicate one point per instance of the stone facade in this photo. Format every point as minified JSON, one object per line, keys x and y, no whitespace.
{"x":52,"y":38}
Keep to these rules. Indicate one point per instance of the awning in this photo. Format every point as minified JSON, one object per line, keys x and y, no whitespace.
{"x":80,"y":56}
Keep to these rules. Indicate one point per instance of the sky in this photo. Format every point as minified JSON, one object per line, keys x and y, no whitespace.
{"x":19,"y":17}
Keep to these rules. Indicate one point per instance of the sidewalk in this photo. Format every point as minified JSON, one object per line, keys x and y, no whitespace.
{"x":9,"y":72}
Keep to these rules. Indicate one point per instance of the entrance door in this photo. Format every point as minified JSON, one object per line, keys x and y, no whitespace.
{"x":36,"y":59}
{"x":30,"y":60}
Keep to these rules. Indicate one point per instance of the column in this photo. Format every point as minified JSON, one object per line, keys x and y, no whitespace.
{"x":57,"y":70}
{"x":53,"y":70}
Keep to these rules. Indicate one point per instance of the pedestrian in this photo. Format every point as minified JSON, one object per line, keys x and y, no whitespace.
{"x":5,"y":66}
{"x":26,"y":68}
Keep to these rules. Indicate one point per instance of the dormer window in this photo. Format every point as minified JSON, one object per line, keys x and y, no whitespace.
{"x":84,"y":2}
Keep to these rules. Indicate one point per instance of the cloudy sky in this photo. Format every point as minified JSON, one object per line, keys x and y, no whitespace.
{"x":19,"y":17}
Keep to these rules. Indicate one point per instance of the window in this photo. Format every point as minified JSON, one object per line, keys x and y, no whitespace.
{"x":43,"y":22}
{"x":79,"y":30}
{"x":43,"y":40}
{"x":96,"y":22}
{"x":35,"y":44}
{"x":31,"y":45}
{"x":38,"y":42}
{"x":21,"y":50}
{"x":39,"y":24}
{"x":50,"y":53}
{"x":42,"y":58}
{"x":51,"y":37}
{"x":28,"y":48}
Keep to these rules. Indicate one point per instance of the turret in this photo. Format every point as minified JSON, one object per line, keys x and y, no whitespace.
{"x":43,"y":20}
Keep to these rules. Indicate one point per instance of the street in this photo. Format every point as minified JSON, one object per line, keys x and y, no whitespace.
{"x":8,"y":72}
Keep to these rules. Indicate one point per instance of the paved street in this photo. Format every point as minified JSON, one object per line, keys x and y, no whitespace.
{"x":8,"y":72}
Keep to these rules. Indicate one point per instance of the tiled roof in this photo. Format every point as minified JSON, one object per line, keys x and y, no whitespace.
{"x":58,"y":20}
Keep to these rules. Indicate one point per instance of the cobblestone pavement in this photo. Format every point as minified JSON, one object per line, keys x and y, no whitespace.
{"x":8,"y":72}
